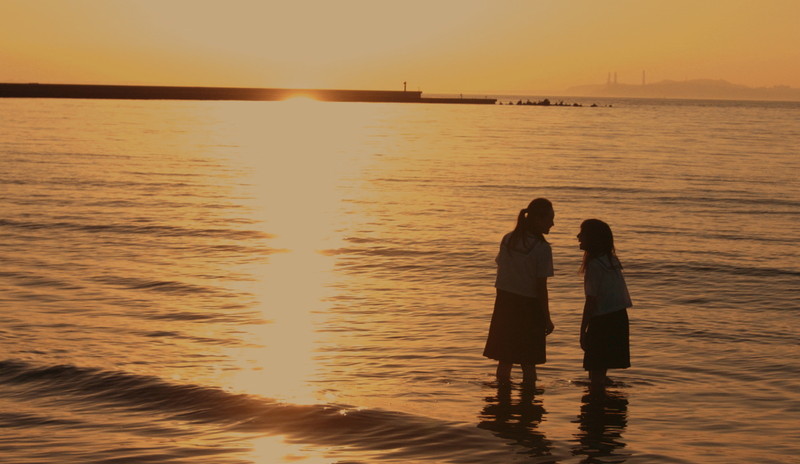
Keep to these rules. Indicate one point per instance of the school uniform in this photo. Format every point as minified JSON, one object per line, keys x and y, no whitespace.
{"x":607,"y":336}
{"x":517,"y":330}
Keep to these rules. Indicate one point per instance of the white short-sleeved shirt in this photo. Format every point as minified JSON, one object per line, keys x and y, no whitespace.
{"x":518,"y":269}
{"x":606,"y":283}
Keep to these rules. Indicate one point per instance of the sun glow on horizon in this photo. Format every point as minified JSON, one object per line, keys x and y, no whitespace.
{"x":301,"y":100}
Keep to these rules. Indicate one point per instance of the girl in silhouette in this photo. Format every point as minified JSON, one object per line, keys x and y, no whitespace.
{"x":521,"y":317}
{"x":604,"y":328}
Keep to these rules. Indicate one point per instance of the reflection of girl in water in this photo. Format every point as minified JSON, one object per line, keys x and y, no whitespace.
{"x":521,"y":317}
{"x":604,"y":328}
{"x":602,"y":421}
{"x":516,"y":421}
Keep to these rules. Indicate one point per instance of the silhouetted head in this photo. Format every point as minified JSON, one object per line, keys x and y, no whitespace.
{"x":537,"y":218}
{"x":596,"y":239}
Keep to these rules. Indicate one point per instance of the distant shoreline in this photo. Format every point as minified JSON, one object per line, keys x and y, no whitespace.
{"x":697,"y":89}
{"x":148,"y":92}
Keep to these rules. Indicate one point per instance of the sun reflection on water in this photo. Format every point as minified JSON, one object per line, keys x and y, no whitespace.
{"x":296,"y":165}
{"x":273,"y":449}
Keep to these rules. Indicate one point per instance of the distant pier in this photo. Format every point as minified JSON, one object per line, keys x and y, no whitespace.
{"x":147,"y":92}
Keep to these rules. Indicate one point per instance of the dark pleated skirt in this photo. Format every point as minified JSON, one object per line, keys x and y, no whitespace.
{"x":607,"y":342}
{"x":516,"y":333}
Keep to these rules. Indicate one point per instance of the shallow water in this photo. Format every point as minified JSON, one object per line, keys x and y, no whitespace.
{"x":259,"y":282}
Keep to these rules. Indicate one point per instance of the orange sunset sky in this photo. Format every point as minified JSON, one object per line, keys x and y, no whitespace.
{"x":435,"y":45}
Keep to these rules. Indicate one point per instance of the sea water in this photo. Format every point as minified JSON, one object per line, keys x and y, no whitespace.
{"x":263,"y":282}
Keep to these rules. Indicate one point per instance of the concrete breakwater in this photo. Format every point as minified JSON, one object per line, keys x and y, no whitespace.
{"x":146,"y":92}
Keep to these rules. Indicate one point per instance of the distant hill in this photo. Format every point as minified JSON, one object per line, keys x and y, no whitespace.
{"x":695,"y":89}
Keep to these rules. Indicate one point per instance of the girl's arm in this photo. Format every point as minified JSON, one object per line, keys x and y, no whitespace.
{"x":541,"y":292}
{"x":588,"y":310}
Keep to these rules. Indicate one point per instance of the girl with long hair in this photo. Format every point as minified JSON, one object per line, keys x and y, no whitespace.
{"x":604,"y":327}
{"x":521,"y":317}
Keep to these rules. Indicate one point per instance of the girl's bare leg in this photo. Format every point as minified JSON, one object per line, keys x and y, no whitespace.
{"x":597,"y":380}
{"x":529,"y":374}
{"x":504,"y":372}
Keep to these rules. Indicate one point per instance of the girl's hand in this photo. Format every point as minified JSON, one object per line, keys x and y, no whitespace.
{"x":583,"y":341}
{"x":549,"y":327}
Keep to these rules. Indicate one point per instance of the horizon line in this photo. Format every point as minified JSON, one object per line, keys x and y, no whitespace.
{"x":472,"y":95}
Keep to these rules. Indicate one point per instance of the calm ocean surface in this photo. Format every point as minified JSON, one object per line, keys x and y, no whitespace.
{"x":266,"y":282}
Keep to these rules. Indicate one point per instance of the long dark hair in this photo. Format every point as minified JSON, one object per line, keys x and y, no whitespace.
{"x":598,"y":241}
{"x":536,"y":208}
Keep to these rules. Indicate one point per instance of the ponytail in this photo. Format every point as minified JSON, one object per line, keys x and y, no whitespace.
{"x":519,"y":236}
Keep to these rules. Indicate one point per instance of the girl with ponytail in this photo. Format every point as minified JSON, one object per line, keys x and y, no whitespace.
{"x":521,"y":317}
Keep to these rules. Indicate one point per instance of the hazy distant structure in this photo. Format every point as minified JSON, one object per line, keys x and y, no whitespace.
{"x":708,"y":89}
{"x":615,"y":78}
{"x":608,"y":82}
